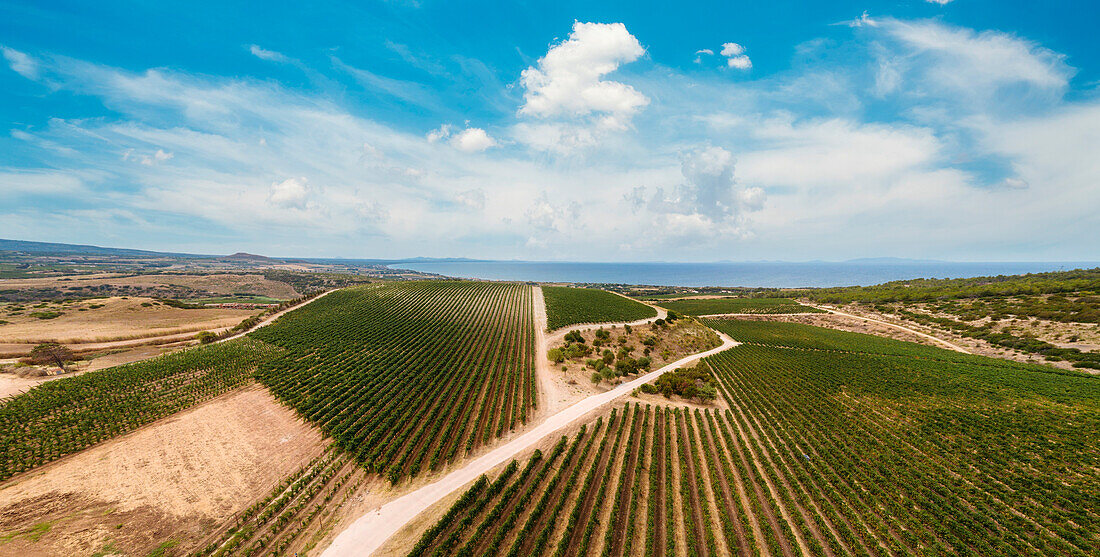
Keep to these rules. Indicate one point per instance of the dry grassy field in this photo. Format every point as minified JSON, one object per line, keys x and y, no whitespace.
{"x":100,"y":320}
{"x":159,"y":285}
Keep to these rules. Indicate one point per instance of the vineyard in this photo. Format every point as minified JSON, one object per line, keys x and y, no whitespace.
{"x":408,"y":376}
{"x":867,"y":450}
{"x":569,"y":306}
{"x":715,"y":306}
{"x":295,"y":513}
{"x":797,"y":335}
{"x":61,"y":417}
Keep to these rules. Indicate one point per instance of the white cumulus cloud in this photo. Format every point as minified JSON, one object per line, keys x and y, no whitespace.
{"x":472,"y":140}
{"x":442,"y":132}
{"x":735,"y":56}
{"x":732,"y":49}
{"x":469,"y":140}
{"x":568,"y":80}
{"x":709,"y":202}
{"x":290,"y":193}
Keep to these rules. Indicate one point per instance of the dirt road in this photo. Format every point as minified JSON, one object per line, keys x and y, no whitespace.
{"x":937,"y":340}
{"x":371,"y":531}
{"x":279,"y":314}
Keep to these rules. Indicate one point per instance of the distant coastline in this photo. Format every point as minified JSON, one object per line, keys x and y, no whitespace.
{"x":766,"y":274}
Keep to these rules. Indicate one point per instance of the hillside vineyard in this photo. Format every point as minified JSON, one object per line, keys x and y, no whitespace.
{"x":408,"y":376}
{"x":844,"y":445}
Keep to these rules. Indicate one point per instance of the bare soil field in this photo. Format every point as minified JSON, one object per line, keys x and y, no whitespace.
{"x":163,"y":486}
{"x":108,"y":319}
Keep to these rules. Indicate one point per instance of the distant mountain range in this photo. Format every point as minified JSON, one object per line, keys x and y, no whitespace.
{"x":80,"y":249}
{"x":52,"y":248}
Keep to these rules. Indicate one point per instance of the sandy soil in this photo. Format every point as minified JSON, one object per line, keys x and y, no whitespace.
{"x":551,"y":394}
{"x":117,"y":319}
{"x":215,"y":284}
{"x":371,"y":531}
{"x":169,"y":481}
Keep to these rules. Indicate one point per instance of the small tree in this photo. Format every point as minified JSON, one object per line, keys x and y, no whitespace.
{"x":51,"y":353}
{"x":555,"y":355}
{"x":206,"y":337}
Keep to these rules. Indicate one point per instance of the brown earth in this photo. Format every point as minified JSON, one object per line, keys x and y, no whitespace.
{"x":166,"y":483}
{"x":116,"y":319}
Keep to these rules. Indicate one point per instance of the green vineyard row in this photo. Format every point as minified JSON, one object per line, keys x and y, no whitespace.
{"x":408,"y":376}
{"x":838,"y":445}
{"x":569,"y":306}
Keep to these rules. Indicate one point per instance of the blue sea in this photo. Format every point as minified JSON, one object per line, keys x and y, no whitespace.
{"x":750,"y":274}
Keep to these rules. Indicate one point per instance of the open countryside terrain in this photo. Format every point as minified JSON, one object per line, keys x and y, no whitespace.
{"x":166,"y":285}
{"x":1047,"y":317}
{"x":802,"y":440}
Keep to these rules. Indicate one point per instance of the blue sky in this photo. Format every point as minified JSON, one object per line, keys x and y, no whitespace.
{"x":626,"y":131}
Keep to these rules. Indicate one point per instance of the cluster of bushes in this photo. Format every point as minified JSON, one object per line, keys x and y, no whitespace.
{"x":620,"y":363}
{"x":608,"y":364}
{"x":1056,"y":307}
{"x":177,"y":304}
{"x":695,"y":383}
